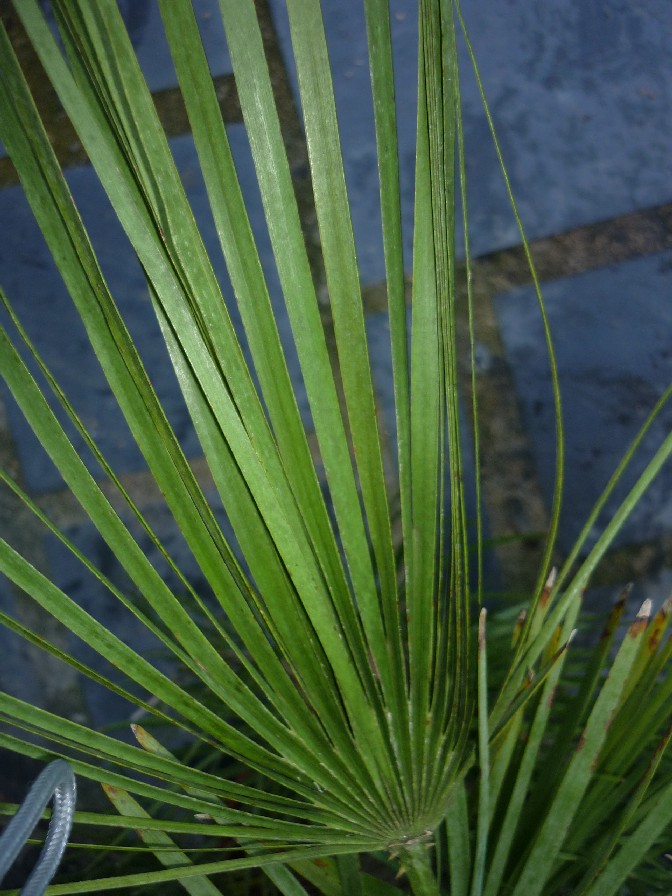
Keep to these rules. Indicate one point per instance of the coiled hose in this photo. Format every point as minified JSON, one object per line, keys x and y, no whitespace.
{"x":58,"y":781}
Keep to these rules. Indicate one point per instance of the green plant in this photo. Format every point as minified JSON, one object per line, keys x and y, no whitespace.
{"x":359,"y":692}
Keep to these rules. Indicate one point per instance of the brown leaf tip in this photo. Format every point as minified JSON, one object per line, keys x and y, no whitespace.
{"x":548,"y":586}
{"x":642,"y":618}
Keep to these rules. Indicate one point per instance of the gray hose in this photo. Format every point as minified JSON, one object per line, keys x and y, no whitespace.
{"x":58,"y":781}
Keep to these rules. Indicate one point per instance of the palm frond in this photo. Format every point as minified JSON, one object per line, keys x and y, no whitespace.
{"x":336,"y":667}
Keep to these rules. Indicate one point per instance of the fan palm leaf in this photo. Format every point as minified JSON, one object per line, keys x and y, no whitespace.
{"x":339,"y":669}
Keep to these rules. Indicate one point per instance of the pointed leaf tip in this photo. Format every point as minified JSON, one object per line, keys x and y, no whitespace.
{"x":518,"y":627}
{"x":645,"y":609}
{"x":147,"y":741}
{"x":141,"y":734}
{"x":548,"y":587}
{"x":552,"y":576}
{"x":481,"y":628}
{"x":642,"y":619}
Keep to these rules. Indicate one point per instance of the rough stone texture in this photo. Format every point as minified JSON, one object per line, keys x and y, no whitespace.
{"x":580,"y":93}
{"x":612,"y":335}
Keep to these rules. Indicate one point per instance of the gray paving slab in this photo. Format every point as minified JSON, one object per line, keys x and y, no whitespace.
{"x":144,"y":24}
{"x":15,"y":654}
{"x":88,"y":592}
{"x":581,"y":95}
{"x":34,"y":287}
{"x":612,"y":332}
